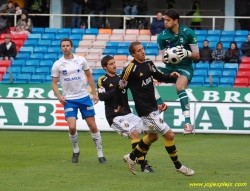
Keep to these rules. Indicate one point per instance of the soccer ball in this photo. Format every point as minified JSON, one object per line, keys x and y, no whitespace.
{"x":172,"y":56}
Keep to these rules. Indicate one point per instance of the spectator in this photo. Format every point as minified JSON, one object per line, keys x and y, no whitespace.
{"x":219,"y":54}
{"x":5,"y":20}
{"x":18,"y":9}
{"x":77,"y":9}
{"x":157,"y":26}
{"x":38,"y":7}
{"x":98,"y":7}
{"x":7,"y":49}
{"x":233,"y":53}
{"x":205,"y":53}
{"x":245,"y":47}
{"x":195,"y":11}
{"x":132,"y":7}
{"x":24,"y":25}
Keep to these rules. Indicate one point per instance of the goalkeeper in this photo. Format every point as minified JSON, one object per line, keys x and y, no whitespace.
{"x":185,"y":40}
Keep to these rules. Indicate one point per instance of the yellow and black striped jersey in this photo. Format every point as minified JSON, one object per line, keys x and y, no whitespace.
{"x":138,"y":77}
{"x":106,"y":92}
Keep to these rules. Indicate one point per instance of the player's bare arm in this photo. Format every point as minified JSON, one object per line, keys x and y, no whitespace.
{"x":56,"y":91}
{"x":92,"y":85}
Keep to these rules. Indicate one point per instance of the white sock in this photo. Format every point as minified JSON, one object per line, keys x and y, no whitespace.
{"x":98,"y":143}
{"x":74,"y":140}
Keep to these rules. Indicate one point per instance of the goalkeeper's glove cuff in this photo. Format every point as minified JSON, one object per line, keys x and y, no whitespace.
{"x":189,"y":53}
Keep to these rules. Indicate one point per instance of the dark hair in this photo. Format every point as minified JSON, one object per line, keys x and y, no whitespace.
{"x":172,"y":13}
{"x":10,"y":2}
{"x":236,"y":48}
{"x":220,"y":43}
{"x":66,"y":39}
{"x":27,"y":16}
{"x":206,"y":40}
{"x":105,"y":60}
{"x":132,"y":45}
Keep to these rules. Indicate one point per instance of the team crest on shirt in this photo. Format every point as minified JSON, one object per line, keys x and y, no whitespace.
{"x":195,"y":39}
{"x":151,"y":127}
{"x":126,"y":125}
{"x":64,"y":72}
{"x":161,"y":121}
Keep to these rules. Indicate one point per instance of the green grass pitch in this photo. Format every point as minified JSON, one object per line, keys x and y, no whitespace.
{"x":41,"y":160}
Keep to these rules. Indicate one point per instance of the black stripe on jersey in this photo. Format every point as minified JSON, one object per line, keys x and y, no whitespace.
{"x":99,"y":82}
{"x":153,"y":122}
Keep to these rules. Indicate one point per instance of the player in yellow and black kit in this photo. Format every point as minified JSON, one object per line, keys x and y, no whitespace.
{"x":124,"y":123}
{"x":138,"y":77}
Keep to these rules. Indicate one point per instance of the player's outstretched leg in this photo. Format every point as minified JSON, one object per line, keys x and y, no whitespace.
{"x":171,"y":149}
{"x":184,"y":100}
{"x":161,"y":105}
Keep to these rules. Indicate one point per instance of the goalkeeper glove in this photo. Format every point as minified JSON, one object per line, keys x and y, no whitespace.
{"x":165,"y":56}
{"x":182,"y":53}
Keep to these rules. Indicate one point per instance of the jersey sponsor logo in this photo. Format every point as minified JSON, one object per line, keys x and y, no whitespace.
{"x":111,"y":85}
{"x":146,"y":81}
{"x":141,"y":74}
{"x":101,"y":90}
{"x":64,"y":72}
{"x":72,"y":79}
{"x":123,"y":83}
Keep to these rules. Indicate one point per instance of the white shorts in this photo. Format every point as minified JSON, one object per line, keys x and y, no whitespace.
{"x":126,"y":124}
{"x":153,"y":123}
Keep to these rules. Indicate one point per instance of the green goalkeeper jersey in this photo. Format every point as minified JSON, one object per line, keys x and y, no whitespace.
{"x":185,"y":37}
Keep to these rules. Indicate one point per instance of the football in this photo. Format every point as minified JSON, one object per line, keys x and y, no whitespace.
{"x":172,"y":56}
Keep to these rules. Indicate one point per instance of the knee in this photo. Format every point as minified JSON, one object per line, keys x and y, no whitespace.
{"x":134,"y":135}
{"x":170,"y":137}
{"x":179,"y":87}
{"x":153,"y":138}
{"x":72,"y":130}
{"x":93,"y":128}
